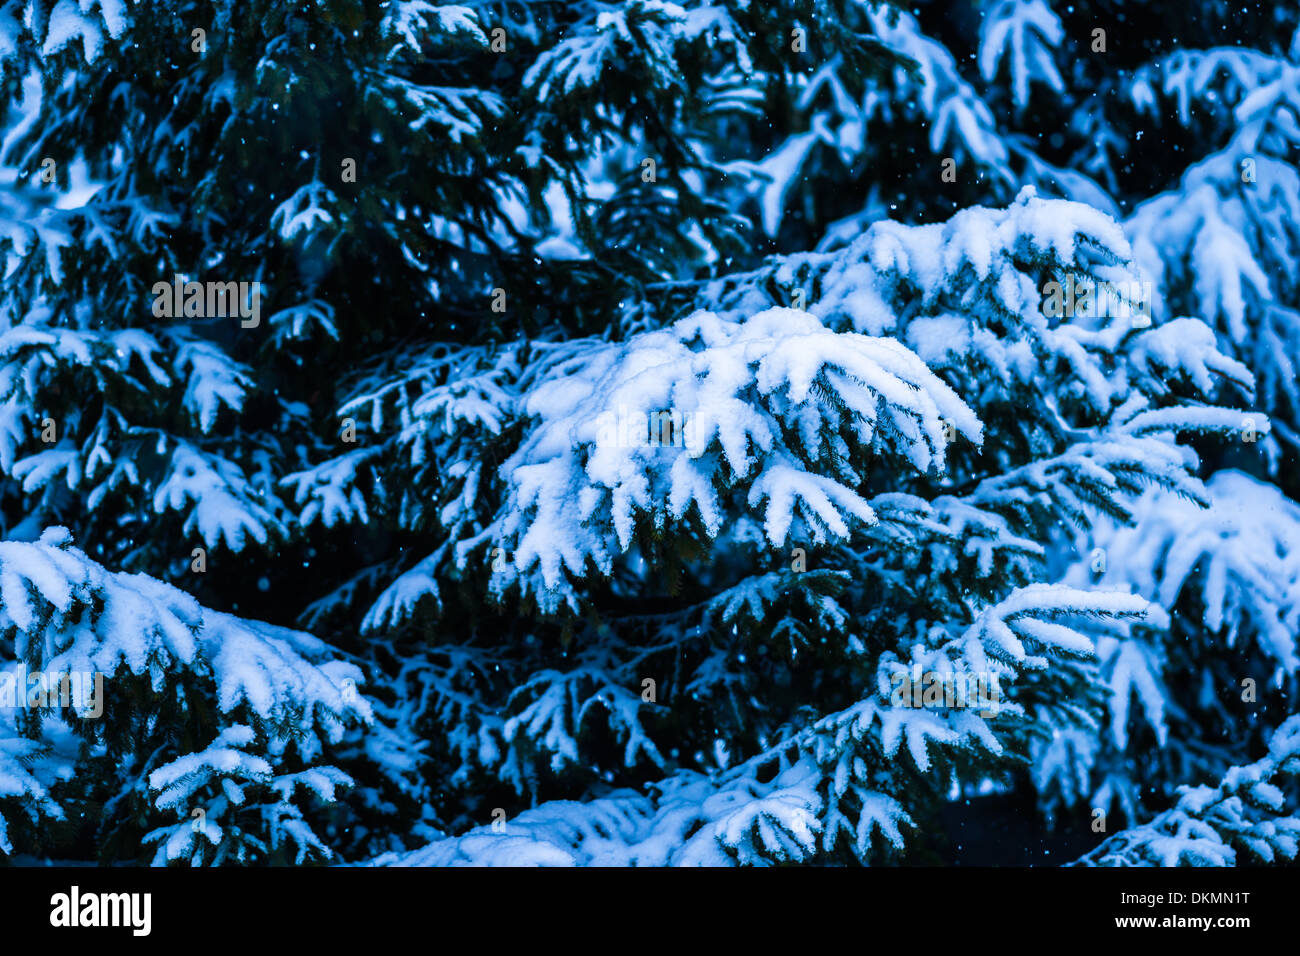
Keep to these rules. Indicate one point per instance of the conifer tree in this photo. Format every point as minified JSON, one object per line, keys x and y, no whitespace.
{"x":647,"y":433}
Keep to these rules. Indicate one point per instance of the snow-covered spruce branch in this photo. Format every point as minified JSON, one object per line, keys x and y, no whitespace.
{"x":281,"y":692}
{"x":821,"y":785}
{"x":1226,"y":572}
{"x":1244,"y":815}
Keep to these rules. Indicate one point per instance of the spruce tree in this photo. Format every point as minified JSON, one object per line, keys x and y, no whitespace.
{"x":648,"y":433}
